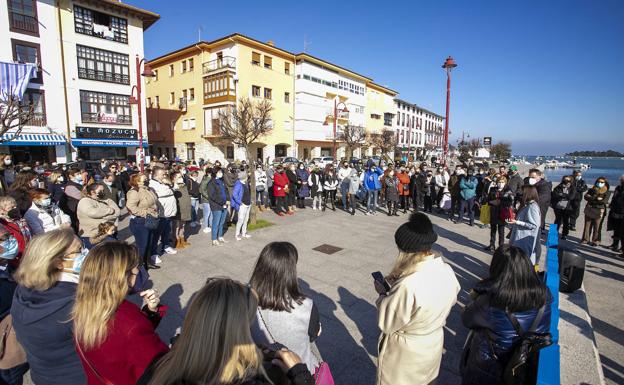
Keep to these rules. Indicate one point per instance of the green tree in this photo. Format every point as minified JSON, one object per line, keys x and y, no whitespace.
{"x":501,"y":151}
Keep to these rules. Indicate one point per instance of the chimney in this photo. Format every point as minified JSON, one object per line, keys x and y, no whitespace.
{"x":271,"y":43}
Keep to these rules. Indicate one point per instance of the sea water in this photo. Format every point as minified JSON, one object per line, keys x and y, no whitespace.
{"x":610,"y":168}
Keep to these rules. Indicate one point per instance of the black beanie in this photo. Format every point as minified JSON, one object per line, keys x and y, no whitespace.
{"x":416,"y":235}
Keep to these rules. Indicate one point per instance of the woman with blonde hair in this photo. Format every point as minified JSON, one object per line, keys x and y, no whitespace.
{"x":56,"y":186}
{"x":47,"y":280}
{"x":115,"y":339}
{"x":215,"y":346}
{"x":414,"y":301}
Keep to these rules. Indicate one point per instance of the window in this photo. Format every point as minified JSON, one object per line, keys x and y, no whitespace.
{"x":190,"y":64}
{"x":170,"y":70}
{"x":191,"y":123}
{"x":183,"y":66}
{"x":255,"y":91}
{"x":36,"y":99}
{"x":100,"y":107}
{"x":155,"y":75}
{"x":229,"y":152}
{"x":185,"y":124}
{"x":191,"y":94}
{"x":149,"y":102}
{"x":190,"y":151}
{"x":23,"y":16}
{"x":268,"y":62}
{"x":171,"y":97}
{"x":184,"y":94}
{"x":102,"y":65}
{"x":172,"y":125}
{"x":25,"y":52}
{"x":255,"y":58}
{"x":286,"y":97}
{"x":287,"y":68}
{"x":157,"y":99}
{"x":267,"y":93}
{"x":102,"y":25}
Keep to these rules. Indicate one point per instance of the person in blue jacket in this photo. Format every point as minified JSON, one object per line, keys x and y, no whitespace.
{"x":513,"y":289}
{"x":468,"y":191}
{"x":241,"y":203}
{"x":372,"y":185}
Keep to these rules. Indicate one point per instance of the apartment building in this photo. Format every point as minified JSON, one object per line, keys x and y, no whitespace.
{"x":379,"y":113}
{"x":85,"y":51}
{"x":416,"y":129}
{"x":224,"y":71}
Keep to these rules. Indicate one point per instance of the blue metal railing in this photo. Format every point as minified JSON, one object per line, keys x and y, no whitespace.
{"x":548,"y":372}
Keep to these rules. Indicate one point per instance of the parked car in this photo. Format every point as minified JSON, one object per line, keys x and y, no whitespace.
{"x":323,"y":161}
{"x":285,"y":161}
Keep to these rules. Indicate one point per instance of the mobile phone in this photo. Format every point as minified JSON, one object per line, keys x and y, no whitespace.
{"x":377,"y":276}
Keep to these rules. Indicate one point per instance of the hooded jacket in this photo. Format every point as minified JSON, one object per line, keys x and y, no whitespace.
{"x":41,"y":323}
{"x":166,"y":204}
{"x":371,"y":179}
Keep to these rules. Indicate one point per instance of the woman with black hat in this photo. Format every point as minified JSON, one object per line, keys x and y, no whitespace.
{"x":413,"y":307}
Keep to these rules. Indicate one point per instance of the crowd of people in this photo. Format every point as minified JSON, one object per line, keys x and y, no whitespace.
{"x":65,"y":277}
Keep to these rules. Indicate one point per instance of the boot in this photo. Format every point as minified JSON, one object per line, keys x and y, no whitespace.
{"x":615,"y":245}
{"x":178,"y":245}
{"x":185,"y":242}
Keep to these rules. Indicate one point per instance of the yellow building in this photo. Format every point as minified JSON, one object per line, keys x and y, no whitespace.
{"x":196,"y":82}
{"x":379,"y":110}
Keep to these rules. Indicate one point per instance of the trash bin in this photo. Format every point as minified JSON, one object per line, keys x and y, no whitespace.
{"x":571,"y":270}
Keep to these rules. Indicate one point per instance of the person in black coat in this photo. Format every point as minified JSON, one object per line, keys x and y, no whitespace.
{"x":513,"y":289}
{"x":580,"y":187}
{"x":562,"y":195}
{"x":292,"y":187}
{"x":615,"y":220}
{"x":499,"y":196}
{"x":219,"y":200}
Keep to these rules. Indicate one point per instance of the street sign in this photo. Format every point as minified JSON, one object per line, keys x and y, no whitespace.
{"x":487,"y":141}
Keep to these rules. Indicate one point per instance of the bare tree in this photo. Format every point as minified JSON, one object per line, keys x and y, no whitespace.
{"x":243,"y":125}
{"x":501,"y":150}
{"x":354,"y":137}
{"x":14,"y":114}
{"x":386,"y":141}
{"x":473,"y":146}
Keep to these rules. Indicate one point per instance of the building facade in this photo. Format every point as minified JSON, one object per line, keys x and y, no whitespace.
{"x":419,"y":131}
{"x":380,"y":112}
{"x":85,"y":51}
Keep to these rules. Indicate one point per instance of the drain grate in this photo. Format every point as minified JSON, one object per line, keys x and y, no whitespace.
{"x":327,"y":249}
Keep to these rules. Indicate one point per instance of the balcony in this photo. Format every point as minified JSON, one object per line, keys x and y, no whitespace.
{"x":99,"y":117}
{"x":182,"y":104}
{"x":23,"y":23}
{"x":103,"y":76}
{"x":226,"y":62}
{"x":38,"y":119}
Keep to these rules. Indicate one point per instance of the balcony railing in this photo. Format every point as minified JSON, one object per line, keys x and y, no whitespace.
{"x":103,"y":76}
{"x":37,"y":119}
{"x":218,"y":64}
{"x":24,"y":23}
{"x":97,"y":117}
{"x":106,"y":33}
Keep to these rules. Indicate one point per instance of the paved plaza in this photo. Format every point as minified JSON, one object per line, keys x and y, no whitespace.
{"x":341,"y":285}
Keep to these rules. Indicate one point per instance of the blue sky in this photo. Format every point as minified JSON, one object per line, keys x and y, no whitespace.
{"x":547,"y":76}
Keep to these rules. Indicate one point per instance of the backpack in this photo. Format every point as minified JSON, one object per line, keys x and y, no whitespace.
{"x":521,"y":368}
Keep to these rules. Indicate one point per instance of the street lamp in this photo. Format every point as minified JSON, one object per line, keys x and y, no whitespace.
{"x":335,"y":117}
{"x":448,"y":65}
{"x":147,"y":72}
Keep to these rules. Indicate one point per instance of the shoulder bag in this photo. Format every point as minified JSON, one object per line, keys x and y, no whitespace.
{"x":11,"y":352}
{"x":91,"y":367}
{"x":322,"y":373}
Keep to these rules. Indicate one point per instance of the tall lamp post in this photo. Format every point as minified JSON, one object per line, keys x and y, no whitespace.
{"x":335,"y":118}
{"x":147,"y":72}
{"x":448,"y":65}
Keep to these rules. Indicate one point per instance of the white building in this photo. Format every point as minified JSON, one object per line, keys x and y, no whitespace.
{"x":319,"y":86}
{"x":82,"y":93}
{"x":418,"y":130}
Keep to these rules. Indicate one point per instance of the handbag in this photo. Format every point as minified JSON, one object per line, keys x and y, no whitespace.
{"x":11,"y":352}
{"x":151,"y":222}
{"x":562,"y":204}
{"x":322,"y":373}
{"x":97,"y":374}
{"x":506,"y":213}
{"x":592,"y":212}
{"x":484,"y":215}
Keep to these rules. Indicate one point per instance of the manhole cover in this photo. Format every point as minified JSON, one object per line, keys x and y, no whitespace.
{"x":327,"y":249}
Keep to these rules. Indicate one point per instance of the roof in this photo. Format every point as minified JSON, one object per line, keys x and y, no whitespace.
{"x":417,"y":106}
{"x":331,"y":66}
{"x":381,"y":88}
{"x":147,"y":17}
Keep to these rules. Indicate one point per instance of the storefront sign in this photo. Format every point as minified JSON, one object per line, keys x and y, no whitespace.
{"x":107,"y":118}
{"x":487,"y":141}
{"x":105,"y":133}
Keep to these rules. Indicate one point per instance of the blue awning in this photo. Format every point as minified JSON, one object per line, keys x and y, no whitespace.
{"x":106,"y":143}
{"x":9,"y":139}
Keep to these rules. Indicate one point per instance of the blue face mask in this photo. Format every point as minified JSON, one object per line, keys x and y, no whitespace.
{"x":10,"y":248}
{"x":78,"y":260}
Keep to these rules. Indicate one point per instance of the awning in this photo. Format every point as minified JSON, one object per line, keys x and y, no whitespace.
{"x":9,"y":139}
{"x":106,"y":143}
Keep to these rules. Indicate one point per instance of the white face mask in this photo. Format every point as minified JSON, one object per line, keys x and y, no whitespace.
{"x":7,"y":162}
{"x":219,"y":175}
{"x":61,"y":179}
{"x":501,"y":186}
{"x":600,"y":185}
{"x":532,"y":181}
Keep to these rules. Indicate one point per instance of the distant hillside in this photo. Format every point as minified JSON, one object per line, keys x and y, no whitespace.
{"x":597,"y":154}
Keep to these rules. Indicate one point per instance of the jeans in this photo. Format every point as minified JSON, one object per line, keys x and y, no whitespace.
{"x":462,"y":204}
{"x":243,"y":219}
{"x":144,"y":239}
{"x":207,"y":215}
{"x":371,"y":204}
{"x":194,"y":209}
{"x":261,"y":198}
{"x":162,"y":233}
{"x":14,"y":375}
{"x":344,"y":190}
{"x":218,"y":221}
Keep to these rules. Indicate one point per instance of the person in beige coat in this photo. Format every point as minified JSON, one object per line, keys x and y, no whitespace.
{"x":93,"y":210}
{"x":414,"y":302}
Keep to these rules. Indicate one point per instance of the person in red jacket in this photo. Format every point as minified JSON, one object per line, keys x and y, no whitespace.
{"x":280,"y":190}
{"x":116,"y":341}
{"x":12,"y":221}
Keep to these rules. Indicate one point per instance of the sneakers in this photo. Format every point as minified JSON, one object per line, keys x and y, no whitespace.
{"x":155,"y":259}
{"x":216,"y":243}
{"x":246,"y":236}
{"x":222,"y":240}
{"x":170,"y":250}
{"x":207,"y":230}
{"x":238,"y":238}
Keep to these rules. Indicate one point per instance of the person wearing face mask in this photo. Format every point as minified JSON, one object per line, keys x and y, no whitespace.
{"x":430,"y":192}
{"x":404,"y":188}
{"x":262,"y":200}
{"x":47,"y":279}
{"x":5,"y":168}
{"x":11,"y":221}
{"x":280,"y":189}
{"x":579,"y":187}
{"x":468,"y":190}
{"x":160,"y":184}
{"x":343,"y":178}
{"x":330,"y":185}
{"x":455,"y":190}
{"x":499,"y":197}
{"x":597,"y":199}
{"x":43,"y":215}
{"x":184,"y":210}
{"x":525,"y":227}
{"x":441,"y":184}
{"x":142,"y":203}
{"x":303,"y":190}
{"x":292,"y":188}
{"x":315,"y":181}
{"x":515,"y":181}
{"x":615,"y":220}
{"x":219,"y":199}
{"x":116,"y":340}
{"x":56,"y":186}
{"x":241,"y":203}
{"x":372,"y":184}
{"x":109,"y":186}
{"x":560,"y":201}
{"x":544,"y":191}
{"x":205,"y":199}
{"x":193,"y":188}
{"x":72,"y":195}
{"x":19,"y":190}
{"x":391,"y":187}
{"x":94,"y":209}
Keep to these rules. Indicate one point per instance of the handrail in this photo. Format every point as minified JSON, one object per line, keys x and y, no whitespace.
{"x":548,"y":371}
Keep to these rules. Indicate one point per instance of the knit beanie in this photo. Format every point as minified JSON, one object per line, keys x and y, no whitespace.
{"x":415,"y":235}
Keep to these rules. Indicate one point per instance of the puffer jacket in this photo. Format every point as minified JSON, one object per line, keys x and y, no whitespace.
{"x":92,"y":212}
{"x":167,"y":206}
{"x":468,"y":187}
{"x":404,"y":183}
{"x":142,"y":202}
{"x":371,"y":179}
{"x":494,"y":336}
{"x":598,"y":197}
